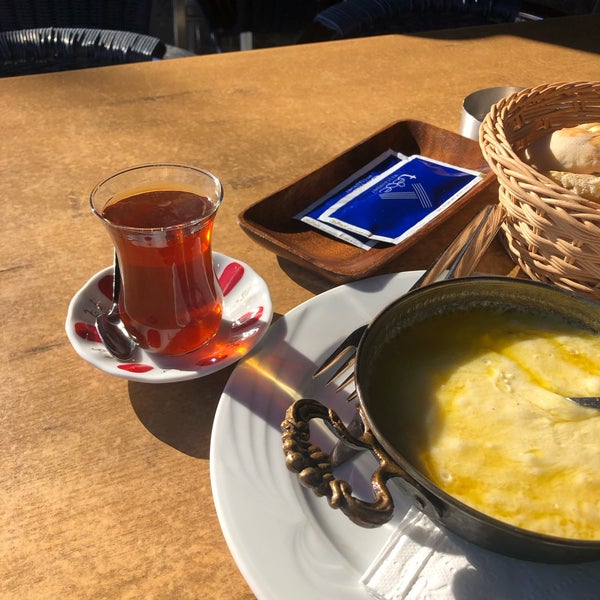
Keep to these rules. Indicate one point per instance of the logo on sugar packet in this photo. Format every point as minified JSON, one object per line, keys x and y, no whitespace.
{"x":396,"y":190}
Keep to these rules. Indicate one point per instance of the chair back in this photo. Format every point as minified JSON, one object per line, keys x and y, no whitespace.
{"x":353,"y":18}
{"x":123,"y":15}
{"x":47,"y":49}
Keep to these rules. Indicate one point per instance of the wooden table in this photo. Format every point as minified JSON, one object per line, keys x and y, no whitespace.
{"x":104,"y":484}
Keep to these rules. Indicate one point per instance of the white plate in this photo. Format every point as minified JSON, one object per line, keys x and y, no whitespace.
{"x":287,"y":542}
{"x":247,"y":313}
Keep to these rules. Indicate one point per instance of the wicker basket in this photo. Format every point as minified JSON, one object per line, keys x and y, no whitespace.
{"x":551,"y":233}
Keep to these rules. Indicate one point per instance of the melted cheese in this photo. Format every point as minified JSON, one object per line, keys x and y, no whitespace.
{"x":483,"y":412}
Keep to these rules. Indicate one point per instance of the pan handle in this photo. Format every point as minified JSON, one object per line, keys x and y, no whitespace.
{"x":315,"y":471}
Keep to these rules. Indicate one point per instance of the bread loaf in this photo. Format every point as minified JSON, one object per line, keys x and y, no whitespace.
{"x":586,"y":186}
{"x":571,"y":158}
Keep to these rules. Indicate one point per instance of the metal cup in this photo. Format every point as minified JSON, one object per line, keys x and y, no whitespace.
{"x":477,"y":105}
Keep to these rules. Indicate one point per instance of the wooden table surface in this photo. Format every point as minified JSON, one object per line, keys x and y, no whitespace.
{"x":104,"y":484}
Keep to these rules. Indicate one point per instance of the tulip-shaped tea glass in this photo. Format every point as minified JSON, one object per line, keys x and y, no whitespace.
{"x":160,"y":218}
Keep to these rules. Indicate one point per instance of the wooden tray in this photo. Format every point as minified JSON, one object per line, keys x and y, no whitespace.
{"x":270,"y":221}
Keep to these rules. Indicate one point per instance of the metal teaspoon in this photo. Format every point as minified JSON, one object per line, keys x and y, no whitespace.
{"x":586,"y":401}
{"x":112,"y":332}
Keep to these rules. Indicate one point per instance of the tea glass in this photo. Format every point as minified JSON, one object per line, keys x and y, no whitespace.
{"x":160,"y":218}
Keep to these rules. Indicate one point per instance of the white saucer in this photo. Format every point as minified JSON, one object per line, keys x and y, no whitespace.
{"x":247,"y":313}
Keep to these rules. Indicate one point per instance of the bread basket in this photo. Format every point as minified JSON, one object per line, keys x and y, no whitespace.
{"x":551,"y":233}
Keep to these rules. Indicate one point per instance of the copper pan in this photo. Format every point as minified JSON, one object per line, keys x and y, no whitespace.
{"x":314,"y":468}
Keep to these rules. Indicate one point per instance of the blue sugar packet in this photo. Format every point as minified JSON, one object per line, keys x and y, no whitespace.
{"x":394,"y":205}
{"x":385,"y":162}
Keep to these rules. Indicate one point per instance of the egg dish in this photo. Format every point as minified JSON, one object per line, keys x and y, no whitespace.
{"x":476,"y":399}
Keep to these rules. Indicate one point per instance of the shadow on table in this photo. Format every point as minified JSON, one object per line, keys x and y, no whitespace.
{"x":180,"y":414}
{"x":579,"y":32}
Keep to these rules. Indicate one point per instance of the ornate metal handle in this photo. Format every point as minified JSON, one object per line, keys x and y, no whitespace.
{"x":315,"y":470}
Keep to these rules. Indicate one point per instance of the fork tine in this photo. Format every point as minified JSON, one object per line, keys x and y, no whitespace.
{"x":335,"y":361}
{"x":340,"y":352}
{"x":343,"y":367}
{"x":349,"y":379}
{"x":352,"y":395}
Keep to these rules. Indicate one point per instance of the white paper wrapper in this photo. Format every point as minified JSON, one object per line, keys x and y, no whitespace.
{"x":422,"y":562}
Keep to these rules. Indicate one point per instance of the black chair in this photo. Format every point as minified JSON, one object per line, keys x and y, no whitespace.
{"x":120,"y":15}
{"x":39,"y":36}
{"x":356,"y":18}
{"x":48,"y":49}
{"x":217,"y":25}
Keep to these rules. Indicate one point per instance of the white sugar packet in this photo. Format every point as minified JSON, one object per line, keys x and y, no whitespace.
{"x":420,"y":561}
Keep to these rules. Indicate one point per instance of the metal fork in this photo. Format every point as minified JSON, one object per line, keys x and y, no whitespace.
{"x":459,"y":259}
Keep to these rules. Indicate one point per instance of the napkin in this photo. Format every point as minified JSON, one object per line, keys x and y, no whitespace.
{"x":421,"y":561}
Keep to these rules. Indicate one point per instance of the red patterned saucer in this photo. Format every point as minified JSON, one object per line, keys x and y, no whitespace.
{"x":247,"y":313}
